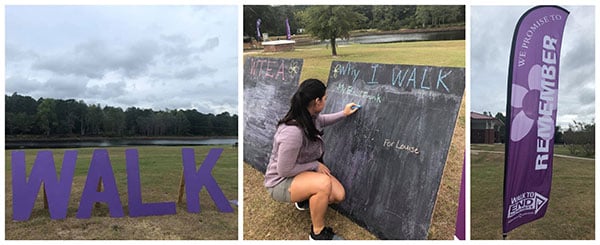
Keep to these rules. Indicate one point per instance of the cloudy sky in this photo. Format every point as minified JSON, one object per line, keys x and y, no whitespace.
{"x":159,"y":57}
{"x":491,"y":36}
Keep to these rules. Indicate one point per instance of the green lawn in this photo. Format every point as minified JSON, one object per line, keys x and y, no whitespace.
{"x":558,"y":149}
{"x":160,"y":171}
{"x":317,"y":59}
{"x":570,"y":213}
{"x":488,"y":147}
{"x":563,"y":150}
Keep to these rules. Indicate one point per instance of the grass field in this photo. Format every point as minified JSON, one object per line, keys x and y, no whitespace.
{"x":558,"y":149}
{"x":260,"y":212}
{"x":160,"y":171}
{"x":570,"y":213}
{"x":317,"y":59}
{"x":563,"y":150}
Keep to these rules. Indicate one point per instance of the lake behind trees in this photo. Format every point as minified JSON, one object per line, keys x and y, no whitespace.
{"x":409,"y":37}
{"x":399,"y":37}
{"x":107,"y":142}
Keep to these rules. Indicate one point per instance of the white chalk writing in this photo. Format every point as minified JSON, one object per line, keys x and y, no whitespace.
{"x":395,"y":144}
{"x":351,"y":90}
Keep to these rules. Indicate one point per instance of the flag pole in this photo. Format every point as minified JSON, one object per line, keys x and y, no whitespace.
{"x":507,"y":122}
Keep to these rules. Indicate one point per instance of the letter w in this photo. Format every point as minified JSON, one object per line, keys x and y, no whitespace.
{"x":194,"y":181}
{"x":43,"y":170}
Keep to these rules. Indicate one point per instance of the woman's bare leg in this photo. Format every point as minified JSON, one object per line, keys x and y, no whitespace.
{"x":338,"y":193}
{"x":316,"y":187}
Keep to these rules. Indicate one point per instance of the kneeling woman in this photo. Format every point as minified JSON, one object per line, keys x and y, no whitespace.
{"x":295,"y":172}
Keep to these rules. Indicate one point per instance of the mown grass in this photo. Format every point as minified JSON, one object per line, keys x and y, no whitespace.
{"x":564,"y":150}
{"x":160,"y":172}
{"x":260,"y":212}
{"x":317,"y":59}
{"x":558,"y":149}
{"x":570,"y":214}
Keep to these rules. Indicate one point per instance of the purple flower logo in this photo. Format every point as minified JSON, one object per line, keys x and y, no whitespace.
{"x":524,"y":104}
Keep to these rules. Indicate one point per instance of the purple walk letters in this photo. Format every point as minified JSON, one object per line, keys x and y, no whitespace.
{"x":58,"y":189}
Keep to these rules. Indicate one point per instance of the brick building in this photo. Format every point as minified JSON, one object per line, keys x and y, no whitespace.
{"x":484,"y":129}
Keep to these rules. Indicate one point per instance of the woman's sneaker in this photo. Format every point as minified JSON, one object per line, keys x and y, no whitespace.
{"x":326,"y":234}
{"x":303,"y":205}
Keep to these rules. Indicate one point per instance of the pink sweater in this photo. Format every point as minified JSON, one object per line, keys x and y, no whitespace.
{"x":293,"y":152}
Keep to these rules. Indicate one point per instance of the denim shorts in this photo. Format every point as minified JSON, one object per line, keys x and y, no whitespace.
{"x":281,"y":192}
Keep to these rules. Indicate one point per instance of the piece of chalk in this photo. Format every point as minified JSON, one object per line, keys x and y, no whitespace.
{"x":355,"y":107}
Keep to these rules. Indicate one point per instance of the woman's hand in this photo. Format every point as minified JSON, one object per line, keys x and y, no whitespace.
{"x":348,"y":109}
{"x":323,"y":169}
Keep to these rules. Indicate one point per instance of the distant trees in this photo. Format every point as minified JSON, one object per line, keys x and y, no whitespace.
{"x":46,"y":115}
{"x":435,"y":15}
{"x":57,"y":117}
{"x":328,"y":22}
{"x":21,"y":112}
{"x":381,"y":17}
{"x":393,"y":17}
{"x":579,"y":138}
{"x":365,"y":10}
{"x":502,"y":129}
{"x":272,"y":19}
{"x":580,"y":135}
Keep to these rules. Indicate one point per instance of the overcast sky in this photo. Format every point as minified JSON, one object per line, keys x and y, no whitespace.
{"x":175,"y":57}
{"x":492,"y":29}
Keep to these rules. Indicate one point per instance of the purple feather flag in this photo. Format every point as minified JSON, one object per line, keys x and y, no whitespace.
{"x":531,"y":114}
{"x":287,"y":28}
{"x":258,"y":35}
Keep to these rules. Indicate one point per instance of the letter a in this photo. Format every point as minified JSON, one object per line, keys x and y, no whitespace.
{"x":43,"y":170}
{"x":100,"y":170}
{"x":194,"y":181}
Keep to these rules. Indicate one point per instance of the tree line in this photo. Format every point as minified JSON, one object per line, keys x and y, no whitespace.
{"x":579,"y":138}
{"x":381,"y":17}
{"x":58,"y":117}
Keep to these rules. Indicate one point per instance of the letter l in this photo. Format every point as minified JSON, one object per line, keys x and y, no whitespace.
{"x":134,"y":191}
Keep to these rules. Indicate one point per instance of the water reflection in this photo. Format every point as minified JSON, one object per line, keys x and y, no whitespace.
{"x":401,"y":37}
{"x":116,"y":142}
{"x":408,"y":37}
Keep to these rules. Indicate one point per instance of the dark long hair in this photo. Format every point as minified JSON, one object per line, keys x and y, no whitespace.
{"x":298,"y":114}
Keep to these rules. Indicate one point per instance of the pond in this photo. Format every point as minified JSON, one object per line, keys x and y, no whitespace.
{"x":116,"y":142}
{"x":409,"y":37}
{"x":401,"y":37}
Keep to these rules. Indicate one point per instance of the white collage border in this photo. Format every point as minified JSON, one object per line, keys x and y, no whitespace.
{"x":240,"y":4}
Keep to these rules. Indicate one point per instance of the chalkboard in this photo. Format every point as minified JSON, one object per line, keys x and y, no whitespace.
{"x":269,"y":83}
{"x":391,"y":153}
